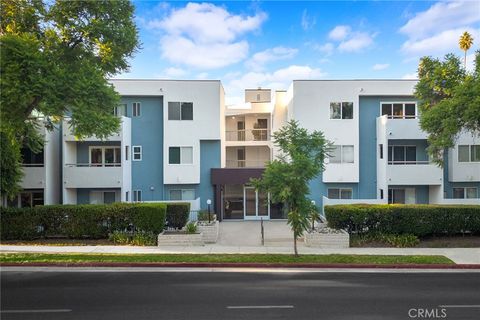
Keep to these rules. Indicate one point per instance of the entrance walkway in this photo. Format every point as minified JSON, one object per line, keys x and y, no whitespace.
{"x":248,"y":234}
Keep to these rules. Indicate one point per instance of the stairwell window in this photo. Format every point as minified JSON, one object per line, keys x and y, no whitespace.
{"x":137,"y":195}
{"x":339,"y":193}
{"x":180,"y":111}
{"x":137,"y":109}
{"x":341,"y":110}
{"x":342,"y":154}
{"x":180,"y":155}
{"x":469,"y":153}
{"x":137,"y":153}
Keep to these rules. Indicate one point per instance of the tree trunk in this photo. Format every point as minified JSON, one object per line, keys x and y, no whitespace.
{"x":465,"y":60}
{"x":295,"y":244}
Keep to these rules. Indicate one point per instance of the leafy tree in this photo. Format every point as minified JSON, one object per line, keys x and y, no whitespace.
{"x":56,"y":59}
{"x":449,"y":101}
{"x":465,"y":42}
{"x":287,"y":177}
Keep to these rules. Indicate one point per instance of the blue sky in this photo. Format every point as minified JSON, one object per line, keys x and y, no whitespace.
{"x":247,"y":44}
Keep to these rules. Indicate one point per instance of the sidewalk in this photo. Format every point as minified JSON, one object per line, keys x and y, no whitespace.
{"x":458,"y":255}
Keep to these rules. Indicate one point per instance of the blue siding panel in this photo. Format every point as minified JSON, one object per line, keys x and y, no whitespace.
{"x":210,"y":157}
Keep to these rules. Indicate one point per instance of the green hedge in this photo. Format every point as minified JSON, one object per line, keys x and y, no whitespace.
{"x":419,"y":220}
{"x":80,"y":221}
{"x":177,"y":214}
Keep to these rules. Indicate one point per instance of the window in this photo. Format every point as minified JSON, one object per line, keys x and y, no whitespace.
{"x":380,"y":146}
{"x":188,"y":194}
{"x":469,"y":153}
{"x":180,"y":155}
{"x":31,"y":159}
{"x":126,"y":196}
{"x":402,"y":154}
{"x":381,"y":193}
{"x":342,"y":154}
{"x":465,"y":193}
{"x":137,"y":153}
{"x":137,"y":109}
{"x":137,"y":195}
{"x":396,"y":195}
{"x":27,"y":199}
{"x":341,"y":110}
{"x":105,"y":156}
{"x":334,"y":193}
{"x":120,"y":110}
{"x":399,"y":110}
{"x":180,"y":111}
{"x":127,"y":152}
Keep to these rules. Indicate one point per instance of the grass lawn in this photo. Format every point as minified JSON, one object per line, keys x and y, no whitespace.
{"x":219,"y":258}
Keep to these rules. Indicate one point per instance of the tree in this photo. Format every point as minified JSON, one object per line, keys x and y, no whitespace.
{"x":465,"y":42}
{"x":56,"y":60}
{"x":449,"y":101}
{"x":287,"y":177}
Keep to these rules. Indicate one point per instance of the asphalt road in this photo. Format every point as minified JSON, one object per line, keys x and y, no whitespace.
{"x":235,"y":295}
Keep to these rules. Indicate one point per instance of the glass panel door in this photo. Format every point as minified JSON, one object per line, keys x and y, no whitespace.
{"x":109,"y":157}
{"x":96,"y":157}
{"x":250,"y":199}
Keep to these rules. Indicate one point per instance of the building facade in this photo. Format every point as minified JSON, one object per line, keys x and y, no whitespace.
{"x":179,"y":142}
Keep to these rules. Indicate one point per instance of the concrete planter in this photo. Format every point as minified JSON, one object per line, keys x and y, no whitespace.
{"x":169,"y":238}
{"x":327,"y":240}
{"x":209,"y":231}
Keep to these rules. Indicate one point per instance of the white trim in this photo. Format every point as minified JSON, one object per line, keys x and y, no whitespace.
{"x":180,"y":106}
{"x":341,"y":154}
{"x":403,"y":108}
{"x":181,"y":191}
{"x":103,"y":164}
{"x":340,"y":193}
{"x":465,"y":192}
{"x":341,"y":110}
{"x":181,"y":164}
{"x":135,"y":195}
{"x":133,"y":153}
{"x":139,"y":112}
{"x":469,"y":153}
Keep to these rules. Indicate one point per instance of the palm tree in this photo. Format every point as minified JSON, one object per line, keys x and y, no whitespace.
{"x":465,"y":43}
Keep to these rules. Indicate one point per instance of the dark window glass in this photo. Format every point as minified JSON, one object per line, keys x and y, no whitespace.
{"x":345,"y":193}
{"x":475,"y":153}
{"x":458,"y":193}
{"x":410,"y":110}
{"x":411,"y":154}
{"x":187,"y":111}
{"x":381,"y":193}
{"x":108,"y":197}
{"x":381,"y":150}
{"x":31,"y":158}
{"x":25,"y":200}
{"x":347,"y":110}
{"x":399,"y":154}
{"x":174,"y":111}
{"x":335,"y":110}
{"x":387,"y":109}
{"x":174,"y":155}
{"x":398,"y":110}
{"x":334,"y":193}
{"x":390,"y":153}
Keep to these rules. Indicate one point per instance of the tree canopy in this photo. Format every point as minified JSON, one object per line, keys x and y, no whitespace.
{"x":56,"y":59}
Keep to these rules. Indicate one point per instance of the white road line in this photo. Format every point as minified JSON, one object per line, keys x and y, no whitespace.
{"x":37,"y":311}
{"x":460,"y":306}
{"x":260,"y":307}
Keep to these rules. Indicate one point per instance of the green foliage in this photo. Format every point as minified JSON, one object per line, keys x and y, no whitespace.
{"x":191,"y":227}
{"x":449,"y":101}
{"x":177,"y":214}
{"x":418,"y":220}
{"x":80,"y":221}
{"x":394,"y":240}
{"x":287,"y":178}
{"x":138,"y":238}
{"x":203,"y":216}
{"x":9,"y":174}
{"x":57,"y":57}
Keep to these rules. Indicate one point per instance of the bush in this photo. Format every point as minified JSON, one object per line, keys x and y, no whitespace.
{"x":203,"y":216}
{"x":80,"y":221}
{"x":139,"y":238}
{"x":177,"y":214}
{"x":394,"y":240}
{"x":191,"y":227}
{"x":418,"y":220}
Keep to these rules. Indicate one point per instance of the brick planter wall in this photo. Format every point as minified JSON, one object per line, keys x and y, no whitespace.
{"x":327,"y":240}
{"x":209,"y":232}
{"x":180,"y":239}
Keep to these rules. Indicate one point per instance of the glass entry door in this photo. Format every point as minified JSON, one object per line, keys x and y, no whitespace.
{"x":255,"y":204}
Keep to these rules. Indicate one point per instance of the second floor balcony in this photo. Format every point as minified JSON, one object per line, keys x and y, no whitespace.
{"x":248,"y":135}
{"x":88,"y":175}
{"x":413,"y":173}
{"x":401,"y":127}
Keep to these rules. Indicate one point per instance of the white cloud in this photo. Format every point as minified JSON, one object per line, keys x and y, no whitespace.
{"x":261,"y":58}
{"x":440,"y":17}
{"x":357,"y":42}
{"x":339,"y":33}
{"x":307,"y":22}
{"x":327,"y":48}
{"x":410,"y":76}
{"x":381,"y":66}
{"x":173,"y":72}
{"x":204,"y":35}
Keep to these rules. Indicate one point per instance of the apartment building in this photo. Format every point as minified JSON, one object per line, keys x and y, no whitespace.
{"x":179,"y":142}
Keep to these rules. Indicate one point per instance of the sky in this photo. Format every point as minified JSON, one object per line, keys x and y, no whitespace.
{"x":250,"y":44}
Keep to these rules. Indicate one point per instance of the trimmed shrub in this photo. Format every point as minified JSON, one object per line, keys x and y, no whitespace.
{"x":418,"y":220}
{"x":139,"y":238}
{"x":177,"y":214}
{"x":203,"y":216}
{"x":80,"y":221}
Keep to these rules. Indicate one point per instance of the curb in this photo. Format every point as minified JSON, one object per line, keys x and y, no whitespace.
{"x":247,"y":265}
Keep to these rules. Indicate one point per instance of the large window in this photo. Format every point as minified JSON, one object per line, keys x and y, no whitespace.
{"x":31,"y":159}
{"x":341,"y":110}
{"x":27,"y":199}
{"x":182,"y":194}
{"x":105,"y":156}
{"x":465,"y":193}
{"x":180,"y":155}
{"x":342,"y":154}
{"x":402,"y":154}
{"x":180,"y":111}
{"x":339,"y":193}
{"x":120,"y":110}
{"x":136,"y":109}
{"x":399,"y":110}
{"x":469,"y":153}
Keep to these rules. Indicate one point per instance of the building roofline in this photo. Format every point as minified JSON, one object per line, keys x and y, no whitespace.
{"x":192,"y":80}
{"x":330,"y":80}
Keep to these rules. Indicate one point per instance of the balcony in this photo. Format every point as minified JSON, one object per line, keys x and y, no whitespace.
{"x":245,"y":163}
{"x":34,"y":176}
{"x":86,"y":175}
{"x":119,"y":136}
{"x":413,"y":173}
{"x":248,"y":135}
{"x":401,"y":127}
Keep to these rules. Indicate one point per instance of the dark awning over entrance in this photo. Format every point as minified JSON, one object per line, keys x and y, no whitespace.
{"x":234,"y":175}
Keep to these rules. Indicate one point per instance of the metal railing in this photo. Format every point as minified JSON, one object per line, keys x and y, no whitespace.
{"x":406,"y":117}
{"x":93,"y":165}
{"x":33,"y":165}
{"x":248,"y":135}
{"x":401,"y":162}
{"x":246,"y":163}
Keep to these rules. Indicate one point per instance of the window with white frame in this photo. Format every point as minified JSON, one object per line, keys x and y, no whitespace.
{"x":180,"y":155}
{"x":180,"y":111}
{"x":137,"y":153}
{"x":136,"y":109}
{"x":465,"y":193}
{"x":402,"y":154}
{"x":182,"y":194}
{"x":120,"y":110}
{"x":399,"y":110}
{"x":108,"y":156}
{"x":339,"y":193}
{"x":342,"y":154}
{"x":127,"y":152}
{"x":137,"y":195}
{"x":341,"y":110}
{"x":469,"y":153}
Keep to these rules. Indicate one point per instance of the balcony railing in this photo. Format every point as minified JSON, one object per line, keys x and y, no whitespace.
{"x":400,"y":162}
{"x":94,"y":165}
{"x":33,"y":165}
{"x":394,"y":116}
{"x":246,"y":163}
{"x":248,"y":135}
